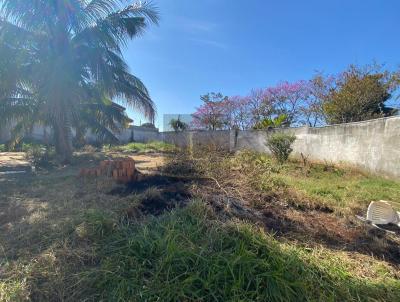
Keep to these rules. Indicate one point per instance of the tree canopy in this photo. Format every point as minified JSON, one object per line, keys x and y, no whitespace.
{"x":62,"y":65}
{"x":357,"y":94}
{"x":360,"y":94}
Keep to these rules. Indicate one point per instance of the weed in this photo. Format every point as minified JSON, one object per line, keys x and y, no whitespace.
{"x":97,"y":225}
{"x":89,"y":149}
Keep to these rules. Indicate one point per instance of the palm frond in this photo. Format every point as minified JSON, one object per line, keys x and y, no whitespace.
{"x":115,"y":28}
{"x":132,"y":92}
{"x":103,"y":120}
{"x":20,"y":115}
{"x":44,"y":14}
{"x":98,"y":9}
{"x":27,"y":14}
{"x":14,"y":109}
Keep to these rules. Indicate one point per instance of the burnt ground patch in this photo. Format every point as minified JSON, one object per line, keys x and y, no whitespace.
{"x":158,"y":193}
{"x":311,"y":227}
{"x":285,"y":214}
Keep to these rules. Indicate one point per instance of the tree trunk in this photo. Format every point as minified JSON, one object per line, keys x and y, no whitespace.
{"x":63,"y":140}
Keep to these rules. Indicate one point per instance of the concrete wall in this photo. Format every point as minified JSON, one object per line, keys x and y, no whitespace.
{"x":139,"y":134}
{"x":40,"y":133}
{"x":371,"y":145}
{"x":220,"y":139}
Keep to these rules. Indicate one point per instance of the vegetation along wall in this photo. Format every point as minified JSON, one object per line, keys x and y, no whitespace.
{"x":371,"y":145}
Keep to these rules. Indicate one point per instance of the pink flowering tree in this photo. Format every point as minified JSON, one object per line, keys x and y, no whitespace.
{"x":312,"y":111}
{"x":288,"y":98}
{"x":213,"y":114}
{"x":286,"y":104}
{"x":239,"y":112}
{"x":261,"y":106}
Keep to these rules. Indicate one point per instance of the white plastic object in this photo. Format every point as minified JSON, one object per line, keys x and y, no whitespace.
{"x":381,"y":212}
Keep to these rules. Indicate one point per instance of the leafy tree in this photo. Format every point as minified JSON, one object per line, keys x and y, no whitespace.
{"x":277,"y":122}
{"x":148,"y":125}
{"x":63,"y":63}
{"x":178,"y":125}
{"x":360,"y":94}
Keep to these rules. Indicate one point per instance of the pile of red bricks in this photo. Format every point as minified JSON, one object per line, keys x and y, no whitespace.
{"x":122,"y":170}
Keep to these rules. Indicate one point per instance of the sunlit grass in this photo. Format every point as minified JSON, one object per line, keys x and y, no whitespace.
{"x":189,"y":255}
{"x":155,"y":146}
{"x":341,"y":187}
{"x":68,"y":239}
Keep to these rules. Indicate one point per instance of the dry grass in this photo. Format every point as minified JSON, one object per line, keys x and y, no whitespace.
{"x":68,"y":239}
{"x":289,"y":202}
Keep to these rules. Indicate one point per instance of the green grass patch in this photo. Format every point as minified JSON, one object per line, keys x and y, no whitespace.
{"x":68,"y":239}
{"x":189,"y":255}
{"x":342,"y":188}
{"x":155,"y":146}
{"x":13,"y":291}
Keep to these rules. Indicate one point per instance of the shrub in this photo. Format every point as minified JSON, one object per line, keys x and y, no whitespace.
{"x":2,"y":148}
{"x":280,"y":145}
{"x":267,"y":123}
{"x":40,"y":155}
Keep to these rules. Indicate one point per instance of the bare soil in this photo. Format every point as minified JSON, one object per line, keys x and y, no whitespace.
{"x":13,"y":161}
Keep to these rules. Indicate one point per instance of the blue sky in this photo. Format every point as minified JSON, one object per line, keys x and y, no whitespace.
{"x":234,"y":46}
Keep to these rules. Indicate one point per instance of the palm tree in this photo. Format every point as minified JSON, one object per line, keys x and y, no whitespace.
{"x":104,"y":120}
{"x":62,"y":59}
